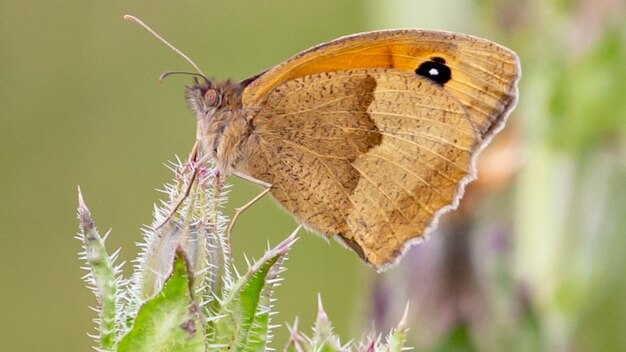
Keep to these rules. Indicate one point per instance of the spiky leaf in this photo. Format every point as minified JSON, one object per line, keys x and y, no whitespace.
{"x":170,"y":321}
{"x":103,"y":277}
{"x":245,"y":315}
{"x":323,"y":338}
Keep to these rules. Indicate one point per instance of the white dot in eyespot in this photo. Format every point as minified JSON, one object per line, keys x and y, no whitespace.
{"x":433,"y":72}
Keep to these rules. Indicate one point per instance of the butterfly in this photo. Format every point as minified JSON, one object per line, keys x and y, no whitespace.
{"x":368,"y":138}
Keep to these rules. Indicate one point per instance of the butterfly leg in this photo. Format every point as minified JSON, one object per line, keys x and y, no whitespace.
{"x":240,"y":210}
{"x":191,"y":162}
{"x":252,"y":179}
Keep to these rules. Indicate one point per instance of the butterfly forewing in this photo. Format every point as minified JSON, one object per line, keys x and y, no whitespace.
{"x":483,"y":74}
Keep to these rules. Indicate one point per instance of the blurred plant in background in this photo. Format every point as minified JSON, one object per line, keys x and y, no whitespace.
{"x":532,"y":260}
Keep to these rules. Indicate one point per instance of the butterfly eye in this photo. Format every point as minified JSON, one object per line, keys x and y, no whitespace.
{"x":212,"y":98}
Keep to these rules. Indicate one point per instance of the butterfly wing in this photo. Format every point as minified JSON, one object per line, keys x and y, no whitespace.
{"x":359,"y":139}
{"x":484,"y":74}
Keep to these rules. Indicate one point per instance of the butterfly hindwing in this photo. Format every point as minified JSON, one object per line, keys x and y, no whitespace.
{"x":364,"y":154}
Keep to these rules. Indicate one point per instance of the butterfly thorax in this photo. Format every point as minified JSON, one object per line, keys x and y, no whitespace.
{"x":222,"y":127}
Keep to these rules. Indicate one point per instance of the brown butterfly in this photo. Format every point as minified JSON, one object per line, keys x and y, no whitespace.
{"x":368,"y":138}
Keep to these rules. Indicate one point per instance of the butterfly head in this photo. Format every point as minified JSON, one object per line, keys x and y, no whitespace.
{"x":208,"y":97}
{"x":203,"y":97}
{"x":218,"y":110}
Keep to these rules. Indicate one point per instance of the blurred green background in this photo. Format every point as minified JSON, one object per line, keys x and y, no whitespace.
{"x":534,"y":261}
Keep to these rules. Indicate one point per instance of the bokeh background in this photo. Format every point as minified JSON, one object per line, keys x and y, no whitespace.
{"x":533,"y":261}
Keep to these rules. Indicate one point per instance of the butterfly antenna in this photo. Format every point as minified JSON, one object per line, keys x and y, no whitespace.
{"x":169,"y":73}
{"x":141,"y":23}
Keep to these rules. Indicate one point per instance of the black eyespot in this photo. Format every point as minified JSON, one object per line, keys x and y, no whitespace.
{"x":435,"y":70}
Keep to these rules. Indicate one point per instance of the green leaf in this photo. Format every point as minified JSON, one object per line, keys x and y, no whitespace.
{"x":259,"y":334}
{"x":102,"y":277}
{"x":249,"y":304}
{"x":245,"y":313}
{"x":170,"y":321}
